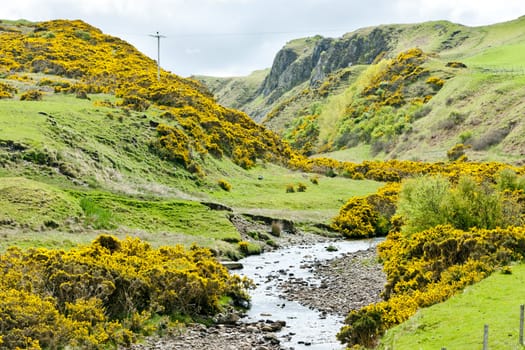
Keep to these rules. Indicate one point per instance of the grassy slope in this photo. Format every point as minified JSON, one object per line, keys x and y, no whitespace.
{"x":491,"y":86}
{"x":99,"y":144}
{"x":108,"y":152}
{"x":458,"y":323}
{"x":319,"y":203}
{"x":236,"y":91}
{"x":489,"y":92}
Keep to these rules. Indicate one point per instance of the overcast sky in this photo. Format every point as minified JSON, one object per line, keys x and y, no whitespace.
{"x":236,"y":37}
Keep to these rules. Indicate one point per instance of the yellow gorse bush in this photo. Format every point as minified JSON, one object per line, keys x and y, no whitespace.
{"x":428,"y":265}
{"x":427,"y":268}
{"x":6,"y":90}
{"x":395,"y":170}
{"x":89,"y":295}
{"x":368,"y":216}
{"x":89,"y":61}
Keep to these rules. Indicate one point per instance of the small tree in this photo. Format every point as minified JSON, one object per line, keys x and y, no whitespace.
{"x":421,"y":202}
{"x":431,"y":200}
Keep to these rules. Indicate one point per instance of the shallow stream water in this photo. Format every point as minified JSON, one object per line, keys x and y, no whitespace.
{"x":305,"y":328}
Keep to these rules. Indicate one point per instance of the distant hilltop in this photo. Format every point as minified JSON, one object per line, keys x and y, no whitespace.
{"x":324,"y":94}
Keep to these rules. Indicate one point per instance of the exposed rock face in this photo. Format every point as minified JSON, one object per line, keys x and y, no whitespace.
{"x":291,"y":68}
{"x":281,"y":64}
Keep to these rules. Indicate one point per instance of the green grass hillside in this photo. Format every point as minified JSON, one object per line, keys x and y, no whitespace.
{"x":91,"y":142}
{"x":337,"y":104}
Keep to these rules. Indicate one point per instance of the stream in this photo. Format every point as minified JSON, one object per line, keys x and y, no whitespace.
{"x":305,"y":328}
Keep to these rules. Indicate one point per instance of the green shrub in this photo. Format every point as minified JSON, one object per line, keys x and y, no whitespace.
{"x":83,"y":35}
{"x":271,"y":243}
{"x":431,"y":200}
{"x":290,"y":188}
{"x":363,"y":328}
{"x":490,"y":138}
{"x":247,"y":248}
{"x":422,"y":112}
{"x":508,"y":179}
{"x":253,"y":234}
{"x":421,"y":202}
{"x":331,"y":248}
{"x":465,"y":137}
{"x":452,"y":121}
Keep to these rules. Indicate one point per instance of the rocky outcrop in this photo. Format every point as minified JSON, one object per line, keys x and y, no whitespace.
{"x":316,"y":59}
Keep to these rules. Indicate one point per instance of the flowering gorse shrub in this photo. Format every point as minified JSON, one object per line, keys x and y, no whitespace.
{"x":95,"y":295}
{"x":87,"y":61}
{"x":448,"y":234}
{"x":368,"y":216}
{"x":427,"y":268}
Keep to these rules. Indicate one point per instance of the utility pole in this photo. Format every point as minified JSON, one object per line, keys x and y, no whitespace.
{"x":158,"y":36}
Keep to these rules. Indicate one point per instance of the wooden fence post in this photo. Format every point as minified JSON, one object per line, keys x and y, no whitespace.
{"x":486,"y":337}
{"x":522,"y":313}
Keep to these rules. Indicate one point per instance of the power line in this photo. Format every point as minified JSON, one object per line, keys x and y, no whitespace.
{"x":314,"y":31}
{"x":269,"y":33}
{"x":158,"y":36}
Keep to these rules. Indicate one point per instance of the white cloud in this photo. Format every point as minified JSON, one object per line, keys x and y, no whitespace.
{"x":233,"y":37}
{"x":191,"y":51}
{"x":468,"y":12}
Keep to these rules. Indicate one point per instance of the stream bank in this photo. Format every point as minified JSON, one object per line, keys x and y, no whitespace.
{"x":304,"y":292}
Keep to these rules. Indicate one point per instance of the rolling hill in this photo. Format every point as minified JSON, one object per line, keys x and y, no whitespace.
{"x":357,"y":97}
{"x":91,"y":142}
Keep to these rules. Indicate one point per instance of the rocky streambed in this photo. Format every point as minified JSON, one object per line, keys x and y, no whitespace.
{"x":303,"y":293}
{"x":236,"y":336}
{"x":339,"y":285}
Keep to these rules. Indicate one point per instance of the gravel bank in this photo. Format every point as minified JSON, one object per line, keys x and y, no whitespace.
{"x":339,"y":285}
{"x":236,"y":336}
